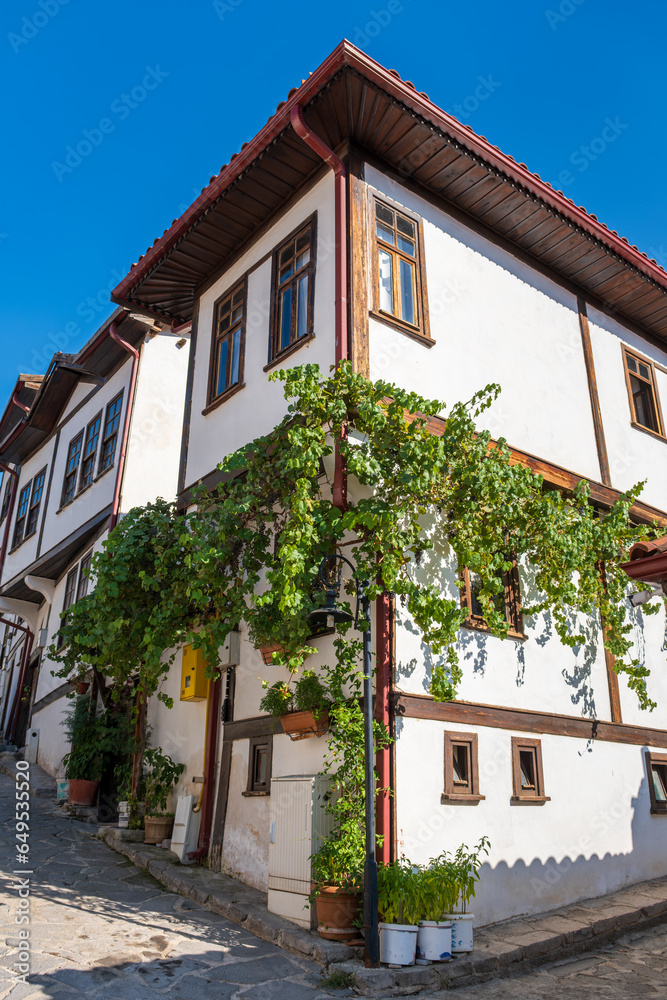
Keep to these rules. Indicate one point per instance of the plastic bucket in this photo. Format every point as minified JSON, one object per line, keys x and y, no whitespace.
{"x":398,"y":944}
{"x":461,"y":931}
{"x":123,"y":815}
{"x":434,"y":940}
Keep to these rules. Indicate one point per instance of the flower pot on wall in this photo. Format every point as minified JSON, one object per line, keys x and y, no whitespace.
{"x":398,"y":944}
{"x":157,"y":828}
{"x":304,"y":725}
{"x":268,"y":649}
{"x":82,"y":792}
{"x":336,"y":912}
{"x":82,"y":687}
{"x":434,"y":940}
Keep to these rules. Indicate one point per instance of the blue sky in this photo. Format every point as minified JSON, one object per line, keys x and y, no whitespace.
{"x":559,"y":77}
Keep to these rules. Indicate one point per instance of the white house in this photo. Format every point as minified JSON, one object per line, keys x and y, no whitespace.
{"x":403,"y":241}
{"x":98,"y":434}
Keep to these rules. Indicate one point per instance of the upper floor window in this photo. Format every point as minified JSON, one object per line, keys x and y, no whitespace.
{"x":84,"y":569}
{"x":507,"y":601}
{"x":21,"y":514}
{"x":90,"y":452}
{"x":228,"y":348}
{"x":643,"y":393}
{"x":400,"y":288}
{"x":6,"y":497}
{"x":72,"y":469}
{"x":110,"y":434}
{"x":35,"y":501}
{"x":293,"y":288}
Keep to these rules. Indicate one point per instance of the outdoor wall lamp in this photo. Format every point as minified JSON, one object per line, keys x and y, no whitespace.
{"x":331,"y":571}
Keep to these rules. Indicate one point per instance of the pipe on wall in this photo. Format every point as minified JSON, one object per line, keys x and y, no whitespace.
{"x":113,"y":333}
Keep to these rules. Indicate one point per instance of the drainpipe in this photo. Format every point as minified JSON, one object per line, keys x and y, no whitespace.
{"x":342,"y":348}
{"x":126,"y":428}
{"x":16,"y":402}
{"x":209,"y":771}
{"x":10,"y":511}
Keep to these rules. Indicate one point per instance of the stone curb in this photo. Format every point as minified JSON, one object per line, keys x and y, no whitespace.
{"x":42,"y":785}
{"x":501,"y":950}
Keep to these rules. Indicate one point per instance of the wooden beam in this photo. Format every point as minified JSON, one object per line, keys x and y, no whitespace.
{"x":414,"y":706}
{"x":358,"y":265}
{"x":593,"y":392}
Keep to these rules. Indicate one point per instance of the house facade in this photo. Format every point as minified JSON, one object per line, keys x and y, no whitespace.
{"x":98,"y":434}
{"x":363,"y":222}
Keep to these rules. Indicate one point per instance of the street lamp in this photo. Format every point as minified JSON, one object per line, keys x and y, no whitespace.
{"x":331,"y":569}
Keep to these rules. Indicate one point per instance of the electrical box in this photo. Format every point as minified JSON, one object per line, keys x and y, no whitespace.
{"x":230,"y":651}
{"x":194,"y":683}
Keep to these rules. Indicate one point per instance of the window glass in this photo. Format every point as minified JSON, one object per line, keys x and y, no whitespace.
{"x":229,"y":333}
{"x":72,"y":468}
{"x":110,"y":434}
{"x":293,"y":288}
{"x":398,"y":291}
{"x":33,"y":514}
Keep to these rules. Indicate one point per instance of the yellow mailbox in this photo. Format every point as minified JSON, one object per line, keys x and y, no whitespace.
{"x":194,"y":684}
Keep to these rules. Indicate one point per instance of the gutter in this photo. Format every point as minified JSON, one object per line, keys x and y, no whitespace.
{"x":113,"y":333}
{"x":650,"y":569}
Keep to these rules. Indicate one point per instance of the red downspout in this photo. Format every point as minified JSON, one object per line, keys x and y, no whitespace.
{"x":10,"y":510}
{"x":209,"y":772}
{"x":342,"y":349}
{"x":126,"y":429}
{"x":22,"y":406}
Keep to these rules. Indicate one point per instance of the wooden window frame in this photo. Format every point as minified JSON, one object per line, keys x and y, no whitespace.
{"x":660,"y":432}
{"x":6,"y":497}
{"x":454,"y":792}
{"x":420,"y":331}
{"x":213,"y":399}
{"x":658,"y":808}
{"x":83,"y":581}
{"x":277,"y":355}
{"x":252,"y":787}
{"x":520,"y":796}
{"x":512,"y":594}
{"x":33,"y":508}
{"x":108,"y":437}
{"x":73,"y":474}
{"x":22,"y":518}
{"x":90,"y":457}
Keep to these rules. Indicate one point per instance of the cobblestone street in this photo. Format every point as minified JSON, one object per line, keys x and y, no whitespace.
{"x":102,"y":929}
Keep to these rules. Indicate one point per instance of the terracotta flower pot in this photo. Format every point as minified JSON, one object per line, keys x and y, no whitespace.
{"x":304,"y":725}
{"x":157,"y":828}
{"x":336,"y":912}
{"x":82,"y":792}
{"x":268,"y":649}
{"x":82,"y":687}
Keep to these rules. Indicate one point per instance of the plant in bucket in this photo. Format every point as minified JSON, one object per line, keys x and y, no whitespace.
{"x":437,"y":893}
{"x":464,"y":865}
{"x":158,"y":782}
{"x":399,"y":908}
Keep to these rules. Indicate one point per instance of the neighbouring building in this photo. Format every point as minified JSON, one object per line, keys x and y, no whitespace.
{"x":99,"y":433}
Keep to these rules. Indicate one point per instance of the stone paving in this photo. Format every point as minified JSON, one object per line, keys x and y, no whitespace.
{"x":101,"y":929}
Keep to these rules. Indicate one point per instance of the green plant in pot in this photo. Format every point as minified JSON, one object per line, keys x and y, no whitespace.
{"x":158,"y":783}
{"x":399,"y":909}
{"x":302,"y":709}
{"x":462,"y":870}
{"x":84,"y":763}
{"x":338,"y":882}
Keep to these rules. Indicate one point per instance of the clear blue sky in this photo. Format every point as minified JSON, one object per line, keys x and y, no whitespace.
{"x":555,"y":71}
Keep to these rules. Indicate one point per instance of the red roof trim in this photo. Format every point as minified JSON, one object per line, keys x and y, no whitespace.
{"x":652,"y":569}
{"x":390,"y":81}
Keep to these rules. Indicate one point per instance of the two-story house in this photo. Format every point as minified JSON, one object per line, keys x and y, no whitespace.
{"x":98,"y":434}
{"x":363,"y":222}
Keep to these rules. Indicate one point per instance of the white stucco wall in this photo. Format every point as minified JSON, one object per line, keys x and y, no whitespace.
{"x":493,"y":319}
{"x":594,"y":836}
{"x":258,"y":407}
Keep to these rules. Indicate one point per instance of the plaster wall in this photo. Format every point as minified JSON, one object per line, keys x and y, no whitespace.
{"x":154,"y":444}
{"x":596,"y":834}
{"x":52,"y":743}
{"x":493,"y":319}
{"x":260,"y":405}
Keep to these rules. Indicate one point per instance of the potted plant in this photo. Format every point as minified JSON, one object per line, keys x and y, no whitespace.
{"x":437,"y":895}
{"x":158,"y":782}
{"x":465,"y":868}
{"x":338,"y":878}
{"x":302,"y":710}
{"x":262,"y":628}
{"x":84,"y":763}
{"x":399,"y":911}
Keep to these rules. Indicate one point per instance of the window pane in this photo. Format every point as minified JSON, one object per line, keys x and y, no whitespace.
{"x":236,"y":357}
{"x":302,"y":259}
{"x":286,"y":273}
{"x":386,"y":281}
{"x":644,"y":372}
{"x":407,"y":246}
{"x":405,"y":226}
{"x":385,"y":234}
{"x":643,"y":400}
{"x":302,"y":308}
{"x":632,"y":364}
{"x":659,"y":775}
{"x":222,"y":366}
{"x":260,"y":766}
{"x":287,"y":254}
{"x":407,"y":292}
{"x":285,"y":318}
{"x":384,"y":213}
{"x":527,"y":770}
{"x":460,"y":764}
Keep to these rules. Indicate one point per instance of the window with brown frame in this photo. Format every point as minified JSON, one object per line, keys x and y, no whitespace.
{"x":656,"y":772}
{"x":72,"y":469}
{"x":228,"y":346}
{"x":643,"y":393}
{"x":21,"y":514}
{"x":35,"y":501}
{"x":293,"y":285}
{"x":90,"y":452}
{"x":461,"y":769}
{"x":82,"y":588}
{"x":110,"y":433}
{"x":507,"y":601}
{"x":6,"y":497}
{"x":527,"y":774}
{"x":398,"y":264}
{"x":68,"y":599}
{"x":260,"y":753}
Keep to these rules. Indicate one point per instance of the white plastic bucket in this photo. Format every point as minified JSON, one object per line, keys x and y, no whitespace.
{"x":434,"y":940}
{"x":123,"y":815}
{"x":461,"y":931}
{"x":398,"y":944}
